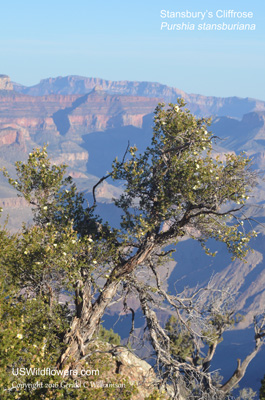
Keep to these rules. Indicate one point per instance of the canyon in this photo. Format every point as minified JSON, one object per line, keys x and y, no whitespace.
{"x":87,"y":122}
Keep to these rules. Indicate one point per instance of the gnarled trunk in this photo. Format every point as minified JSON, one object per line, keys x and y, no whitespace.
{"x":88,"y":315}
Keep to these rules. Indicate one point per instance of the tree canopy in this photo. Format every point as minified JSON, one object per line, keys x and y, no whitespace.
{"x":72,"y":266}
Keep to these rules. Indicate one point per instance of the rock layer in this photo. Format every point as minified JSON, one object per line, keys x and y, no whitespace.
{"x":198,"y":104}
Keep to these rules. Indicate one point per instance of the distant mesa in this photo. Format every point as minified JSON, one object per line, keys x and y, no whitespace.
{"x":5,"y":83}
{"x":198,"y":104}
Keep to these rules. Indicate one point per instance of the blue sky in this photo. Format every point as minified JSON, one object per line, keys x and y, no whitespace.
{"x":122,"y":40}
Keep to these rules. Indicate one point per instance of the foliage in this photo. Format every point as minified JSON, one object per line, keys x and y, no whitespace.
{"x":109,"y":336}
{"x":181,"y":343}
{"x":156,"y":395}
{"x":59,"y":275}
{"x":53,"y":197}
{"x":177,"y":181}
{"x":30,"y":339}
{"x":36,"y":267}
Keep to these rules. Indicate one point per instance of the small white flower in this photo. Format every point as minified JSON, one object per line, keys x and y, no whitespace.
{"x":95,"y":262}
{"x":54,"y":244}
{"x":90,"y":240}
{"x":73,"y":241}
{"x":19,"y":336}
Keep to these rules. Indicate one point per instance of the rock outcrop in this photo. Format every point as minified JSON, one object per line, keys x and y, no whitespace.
{"x":122,"y":364}
{"x":13,"y":135}
{"x":13,"y":203}
{"x":5,"y":83}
